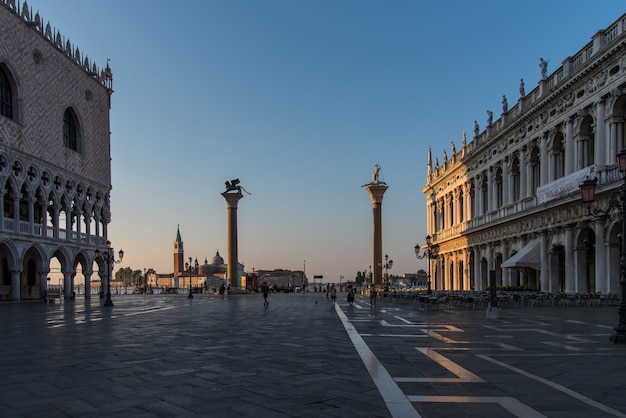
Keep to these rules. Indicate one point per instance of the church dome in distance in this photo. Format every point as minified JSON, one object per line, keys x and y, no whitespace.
{"x":217,"y":260}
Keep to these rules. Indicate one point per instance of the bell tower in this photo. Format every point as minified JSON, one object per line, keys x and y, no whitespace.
{"x":179,"y":254}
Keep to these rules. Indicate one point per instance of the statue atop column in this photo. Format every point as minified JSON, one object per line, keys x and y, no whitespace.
{"x":375,"y":177}
{"x":233,"y":186}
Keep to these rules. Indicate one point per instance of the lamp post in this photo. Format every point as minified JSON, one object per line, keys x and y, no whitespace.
{"x":109,"y":258}
{"x":190,"y":268}
{"x":432,"y":252}
{"x":617,"y":202}
{"x":387,"y":266}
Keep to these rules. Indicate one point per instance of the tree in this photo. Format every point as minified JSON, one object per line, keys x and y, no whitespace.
{"x":360,"y":277}
{"x":135,"y":278}
{"x":124,"y":274}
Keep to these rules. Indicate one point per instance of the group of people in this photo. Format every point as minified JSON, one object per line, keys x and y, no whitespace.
{"x":331,"y":293}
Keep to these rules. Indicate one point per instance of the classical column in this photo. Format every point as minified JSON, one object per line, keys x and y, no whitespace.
{"x":507,"y":179}
{"x":16,"y":211}
{"x":233,"y":264}
{"x":68,"y":221}
{"x":87,"y":275}
{"x":570,"y":147}
{"x":601,"y":139}
{"x":31,"y":214}
{"x":543,"y":161}
{"x":67,"y":284}
{"x":600,"y":255}
{"x":544,"y":272}
{"x":523,"y":174}
{"x":376,"y":191}
{"x":570,"y":272}
{"x":16,"y":288}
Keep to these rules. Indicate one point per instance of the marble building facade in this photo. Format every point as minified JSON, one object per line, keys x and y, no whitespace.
{"x":55,"y":170}
{"x":508,"y":200}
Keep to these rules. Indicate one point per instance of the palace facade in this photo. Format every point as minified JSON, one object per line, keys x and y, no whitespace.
{"x":508,"y":201}
{"x":55,"y":170}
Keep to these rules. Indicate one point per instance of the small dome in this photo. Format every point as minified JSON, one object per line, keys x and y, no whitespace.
{"x":217,"y":260}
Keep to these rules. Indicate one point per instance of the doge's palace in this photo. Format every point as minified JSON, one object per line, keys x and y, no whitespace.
{"x":507,"y":199}
{"x":55,"y":171}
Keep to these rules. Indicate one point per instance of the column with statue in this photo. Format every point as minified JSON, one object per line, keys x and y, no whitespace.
{"x":376,"y":189}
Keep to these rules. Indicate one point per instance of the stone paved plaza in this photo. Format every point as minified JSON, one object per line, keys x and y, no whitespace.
{"x":170,"y":356}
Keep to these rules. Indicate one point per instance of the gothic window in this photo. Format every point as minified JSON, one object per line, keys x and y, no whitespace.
{"x":6,"y":95}
{"x":70,"y":130}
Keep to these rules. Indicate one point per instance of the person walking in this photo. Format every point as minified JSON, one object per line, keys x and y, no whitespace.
{"x":373,"y":295}
{"x":222,"y":290}
{"x":350,"y":295}
{"x":333,"y":293}
{"x":265,"y":289}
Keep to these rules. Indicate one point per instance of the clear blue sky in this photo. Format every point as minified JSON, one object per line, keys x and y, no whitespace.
{"x":300,"y":99}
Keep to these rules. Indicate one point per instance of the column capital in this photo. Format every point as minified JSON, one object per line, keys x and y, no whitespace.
{"x":376,"y":192}
{"x":232,"y":199}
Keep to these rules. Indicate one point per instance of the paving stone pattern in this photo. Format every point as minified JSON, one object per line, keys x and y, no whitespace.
{"x":169,"y":356}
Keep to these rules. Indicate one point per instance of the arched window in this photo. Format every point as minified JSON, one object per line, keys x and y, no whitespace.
{"x":70,"y":130}
{"x":6,"y":95}
{"x":535,"y":169}
{"x":558,"y":156}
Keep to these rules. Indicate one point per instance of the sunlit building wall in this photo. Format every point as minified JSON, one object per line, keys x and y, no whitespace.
{"x":507,"y":199}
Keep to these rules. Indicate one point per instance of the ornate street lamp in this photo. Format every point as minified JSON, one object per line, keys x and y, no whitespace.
{"x":387,"y":266}
{"x":109,"y":258}
{"x":617,"y":202}
{"x":190,"y":269}
{"x":432,"y":252}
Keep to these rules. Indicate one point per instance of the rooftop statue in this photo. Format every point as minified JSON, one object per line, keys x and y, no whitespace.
{"x":544,"y":68}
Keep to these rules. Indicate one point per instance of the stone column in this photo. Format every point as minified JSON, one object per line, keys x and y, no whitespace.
{"x":570,"y":147}
{"x":233,"y":264}
{"x":570,"y":272}
{"x":601,"y":278}
{"x":545,"y":272}
{"x":376,"y":191}
{"x":543,"y":161}
{"x":601,"y":139}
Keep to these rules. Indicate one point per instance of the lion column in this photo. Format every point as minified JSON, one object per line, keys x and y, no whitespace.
{"x":233,"y":264}
{"x":376,"y":189}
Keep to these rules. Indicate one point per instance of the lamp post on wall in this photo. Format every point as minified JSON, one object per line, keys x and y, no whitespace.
{"x":190,"y":268}
{"x":109,"y":258}
{"x":432,"y":252}
{"x":616,"y":202}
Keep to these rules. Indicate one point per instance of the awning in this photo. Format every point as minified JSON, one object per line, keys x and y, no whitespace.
{"x":528,"y":256}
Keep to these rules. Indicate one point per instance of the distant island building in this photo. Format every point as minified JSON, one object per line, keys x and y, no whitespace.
{"x":206,"y":276}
